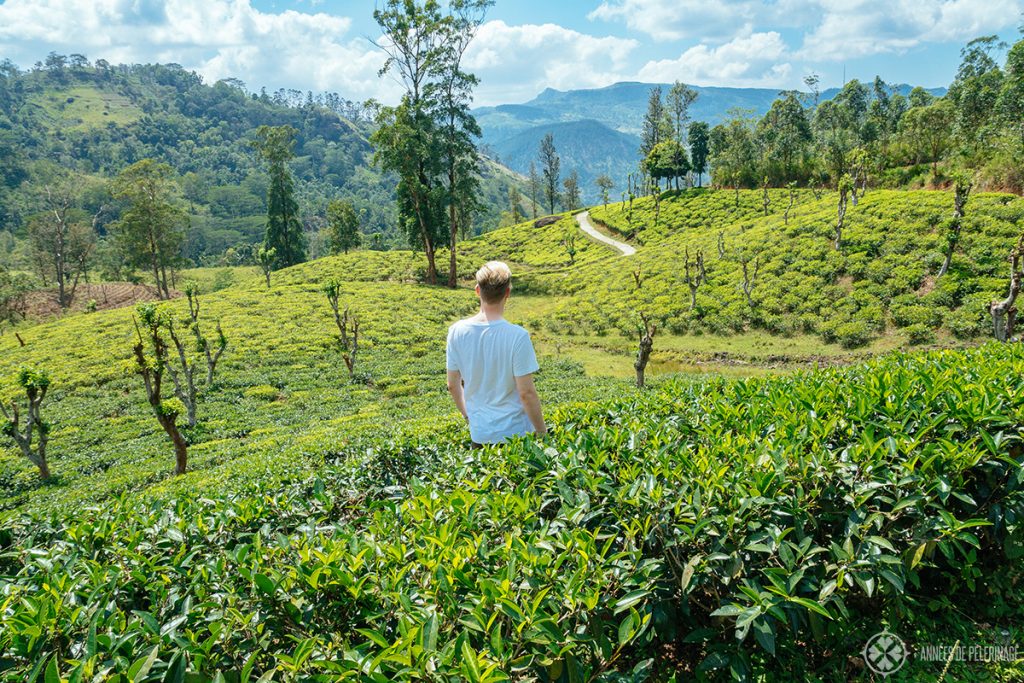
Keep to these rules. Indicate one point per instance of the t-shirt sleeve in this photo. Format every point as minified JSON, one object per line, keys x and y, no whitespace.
{"x":451,"y":359}
{"x":524,"y":359}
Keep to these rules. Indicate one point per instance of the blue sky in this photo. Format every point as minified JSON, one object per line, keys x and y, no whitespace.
{"x":525,"y":45}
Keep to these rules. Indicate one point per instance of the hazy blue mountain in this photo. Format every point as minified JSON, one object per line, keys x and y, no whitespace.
{"x":597,"y":126}
{"x":589,"y":146}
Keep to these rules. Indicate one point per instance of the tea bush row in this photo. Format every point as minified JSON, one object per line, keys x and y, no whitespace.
{"x":883,"y":276}
{"x":750,"y":527}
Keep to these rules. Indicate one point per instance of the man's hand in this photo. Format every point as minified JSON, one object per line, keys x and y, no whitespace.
{"x":455,"y":389}
{"x":531,"y":403}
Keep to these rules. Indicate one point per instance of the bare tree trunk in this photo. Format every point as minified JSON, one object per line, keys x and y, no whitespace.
{"x":1004,"y":313}
{"x":643,"y":354}
{"x":33,"y":424}
{"x":840,"y":219}
{"x":750,"y":279}
{"x":694,"y":274}
{"x":180,"y":446}
{"x":453,"y":232}
{"x":961,"y":193}
{"x":152,"y":377}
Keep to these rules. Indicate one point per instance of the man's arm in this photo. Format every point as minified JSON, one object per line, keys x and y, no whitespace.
{"x":455,"y":389}
{"x":531,"y":403}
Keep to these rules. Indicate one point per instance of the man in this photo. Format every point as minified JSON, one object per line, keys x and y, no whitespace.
{"x":491,"y":364}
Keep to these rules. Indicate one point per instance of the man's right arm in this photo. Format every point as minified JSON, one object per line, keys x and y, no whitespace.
{"x":531,"y":403}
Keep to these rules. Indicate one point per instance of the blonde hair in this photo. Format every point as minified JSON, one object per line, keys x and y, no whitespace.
{"x":493,"y":279}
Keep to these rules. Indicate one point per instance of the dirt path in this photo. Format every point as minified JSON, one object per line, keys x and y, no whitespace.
{"x":586,"y":226}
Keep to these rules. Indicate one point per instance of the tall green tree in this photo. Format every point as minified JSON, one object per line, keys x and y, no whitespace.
{"x":533,"y":185}
{"x":572,"y":191}
{"x":275,"y":146}
{"x":680,"y":98}
{"x":656,"y":124}
{"x":785,"y":133}
{"x":151,"y":229}
{"x":428,"y":140}
{"x":1010,"y":105}
{"x":604,"y":185}
{"x":403,"y":146}
{"x":885,"y":111}
{"x":975,"y":91}
{"x":926,"y":132}
{"x":550,"y":165}
{"x":514,"y":201}
{"x":699,"y":136}
{"x":835,"y":136}
{"x":734,"y":157}
{"x":342,"y":226}
{"x":452,"y":94}
{"x":668,"y":160}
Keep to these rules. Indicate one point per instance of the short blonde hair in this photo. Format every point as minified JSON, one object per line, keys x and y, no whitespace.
{"x":493,"y":279}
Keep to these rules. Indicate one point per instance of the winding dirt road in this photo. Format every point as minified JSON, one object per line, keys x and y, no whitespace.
{"x":586,"y":226}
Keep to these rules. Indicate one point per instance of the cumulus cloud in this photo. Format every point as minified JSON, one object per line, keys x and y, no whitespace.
{"x":754,"y":60}
{"x":217,"y":38}
{"x":679,"y":19}
{"x":514,"y":63}
{"x":829,"y":29}
{"x":859,"y":28}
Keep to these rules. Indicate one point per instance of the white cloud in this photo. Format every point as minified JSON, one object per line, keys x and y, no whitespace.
{"x":678,"y":19}
{"x":859,"y":28}
{"x":217,"y":38}
{"x":514,"y":63}
{"x":754,"y":60}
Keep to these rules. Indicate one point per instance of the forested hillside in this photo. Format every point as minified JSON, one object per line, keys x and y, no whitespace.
{"x":598,"y":131}
{"x":93,"y":120}
{"x":780,"y":371}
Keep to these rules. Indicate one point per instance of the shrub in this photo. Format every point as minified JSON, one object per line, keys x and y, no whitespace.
{"x":853,"y":334}
{"x":908,"y":311}
{"x":919,"y":333}
{"x":262,"y":392}
{"x":757,"y":526}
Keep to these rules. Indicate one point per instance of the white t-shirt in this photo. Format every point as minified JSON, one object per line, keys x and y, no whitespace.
{"x":489,"y":356}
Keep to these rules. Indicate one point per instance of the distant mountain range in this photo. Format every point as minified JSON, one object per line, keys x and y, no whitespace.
{"x":597,"y":130}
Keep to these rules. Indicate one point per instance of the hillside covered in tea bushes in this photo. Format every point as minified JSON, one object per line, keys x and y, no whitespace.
{"x":92,"y":120}
{"x":719,"y":529}
{"x":735,"y":519}
{"x":881,"y":281}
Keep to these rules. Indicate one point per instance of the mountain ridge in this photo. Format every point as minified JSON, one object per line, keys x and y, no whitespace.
{"x":513,"y":130}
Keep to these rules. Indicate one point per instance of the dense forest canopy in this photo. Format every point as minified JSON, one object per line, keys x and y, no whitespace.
{"x":70,"y":117}
{"x":874,"y":135}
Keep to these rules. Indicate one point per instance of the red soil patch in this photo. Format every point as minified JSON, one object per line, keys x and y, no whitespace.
{"x":927,"y":285}
{"x":43,"y":303}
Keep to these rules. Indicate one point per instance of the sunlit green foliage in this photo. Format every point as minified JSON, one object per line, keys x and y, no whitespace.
{"x":883,"y":276}
{"x":745,"y":525}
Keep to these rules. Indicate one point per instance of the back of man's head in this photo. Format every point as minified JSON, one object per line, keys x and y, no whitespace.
{"x":493,"y":279}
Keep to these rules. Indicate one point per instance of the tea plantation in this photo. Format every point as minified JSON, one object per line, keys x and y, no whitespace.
{"x":335,"y":528}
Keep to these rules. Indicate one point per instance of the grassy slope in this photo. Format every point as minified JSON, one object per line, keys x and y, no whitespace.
{"x":82,"y":107}
{"x":282,"y":391}
{"x":882,"y":278}
{"x":283,"y":386}
{"x":283,"y":408}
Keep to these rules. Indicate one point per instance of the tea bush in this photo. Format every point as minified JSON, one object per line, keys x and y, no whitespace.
{"x":718,"y":528}
{"x":884,"y":273}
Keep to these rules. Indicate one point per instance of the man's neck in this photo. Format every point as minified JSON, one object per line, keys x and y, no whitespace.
{"x":491,"y":312}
